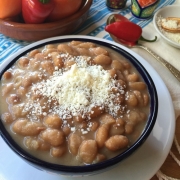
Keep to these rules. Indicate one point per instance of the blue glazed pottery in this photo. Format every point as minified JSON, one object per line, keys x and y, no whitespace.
{"x":141,"y":10}
{"x":116,"y":4}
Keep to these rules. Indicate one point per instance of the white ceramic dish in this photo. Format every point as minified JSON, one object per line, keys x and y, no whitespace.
{"x":168,"y":11}
{"x":142,"y":165}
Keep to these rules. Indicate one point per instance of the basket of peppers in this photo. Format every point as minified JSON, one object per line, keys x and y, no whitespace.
{"x":32,"y":20}
{"x":38,"y":11}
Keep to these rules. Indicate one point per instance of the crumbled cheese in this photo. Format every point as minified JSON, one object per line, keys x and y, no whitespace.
{"x":172,"y":36}
{"x":173,"y":24}
{"x":79,"y":89}
{"x":75,"y":91}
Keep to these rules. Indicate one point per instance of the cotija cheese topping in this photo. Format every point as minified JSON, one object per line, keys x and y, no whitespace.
{"x":77,"y":90}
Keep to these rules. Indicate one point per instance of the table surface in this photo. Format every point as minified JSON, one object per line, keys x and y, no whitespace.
{"x":94,"y":26}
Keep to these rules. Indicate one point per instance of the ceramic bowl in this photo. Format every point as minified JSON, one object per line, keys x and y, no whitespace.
{"x":141,"y":12}
{"x":33,"y":32}
{"x":107,"y":164}
{"x":168,"y":11}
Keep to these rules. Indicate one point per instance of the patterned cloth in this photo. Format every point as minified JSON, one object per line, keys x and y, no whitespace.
{"x":94,"y":25}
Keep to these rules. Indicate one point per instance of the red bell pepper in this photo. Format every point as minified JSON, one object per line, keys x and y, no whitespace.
{"x":118,"y":17}
{"x":126,"y":31}
{"x":36,"y":11}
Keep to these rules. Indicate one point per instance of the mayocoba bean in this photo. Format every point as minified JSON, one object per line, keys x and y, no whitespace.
{"x":117,"y":142}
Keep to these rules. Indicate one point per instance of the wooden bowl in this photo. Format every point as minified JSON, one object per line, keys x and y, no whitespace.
{"x":16,"y":29}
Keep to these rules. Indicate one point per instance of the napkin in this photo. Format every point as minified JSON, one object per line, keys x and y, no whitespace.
{"x":168,"y":53}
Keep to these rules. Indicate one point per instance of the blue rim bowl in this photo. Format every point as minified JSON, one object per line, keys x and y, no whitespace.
{"x":93,"y":168}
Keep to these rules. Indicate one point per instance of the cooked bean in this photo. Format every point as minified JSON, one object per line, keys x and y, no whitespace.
{"x":54,"y":55}
{"x":27,"y":81}
{"x":132,"y":77}
{"x":58,"y":151}
{"x":66,"y":129}
{"x":17,"y":111}
{"x":50,"y":46}
{"x":13,"y":99}
{"x":64,"y":48}
{"x":58,"y":62}
{"x":121,"y":83}
{"x":133,"y":117}
{"x":95,"y":111}
{"x":107,"y":119}
{"x":83,"y":51}
{"x":31,"y":143}
{"x":146,"y":99}
{"x":113,"y":73}
{"x":7,"y":117}
{"x":120,"y":122}
{"x":35,"y":64}
{"x":78,"y":118}
{"x":75,"y":43}
{"x":125,"y":64}
{"x":119,"y":99}
{"x":120,"y":75}
{"x":48,"y":66}
{"x":132,"y":99}
{"x":7,"y":89}
{"x":115,"y":90}
{"x":126,"y":73}
{"x":100,"y":158}
{"x":36,"y":77}
{"x":102,"y":60}
{"x":86,"y":45}
{"x":137,"y":85}
{"x":33,"y":53}
{"x":82,"y":125}
{"x":93,"y":125}
{"x":53,"y":121}
{"x":21,"y":91}
{"x":53,"y":136}
{"x":102,"y":134}
{"x":116,"y":130}
{"x":142,"y":116}
{"x":47,"y":52}
{"x":27,"y":128}
{"x":139,"y":97}
{"x":7,"y":75}
{"x":117,"y":65}
{"x":36,"y":144}
{"x":117,"y":142}
{"x":99,"y":50}
{"x":68,"y":64}
{"x":129,"y":128}
{"x":40,"y":57}
{"x":88,"y":151}
{"x":18,"y":81}
{"x":36,"y":96}
{"x":23,"y":62}
{"x":74,"y":141}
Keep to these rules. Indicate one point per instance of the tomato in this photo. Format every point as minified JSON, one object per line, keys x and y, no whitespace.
{"x":9,"y":8}
{"x":64,"y":8}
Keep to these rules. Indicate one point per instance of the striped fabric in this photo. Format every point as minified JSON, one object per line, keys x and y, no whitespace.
{"x":94,"y":25}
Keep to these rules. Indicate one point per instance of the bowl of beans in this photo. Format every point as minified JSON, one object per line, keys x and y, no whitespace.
{"x":75,"y":105}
